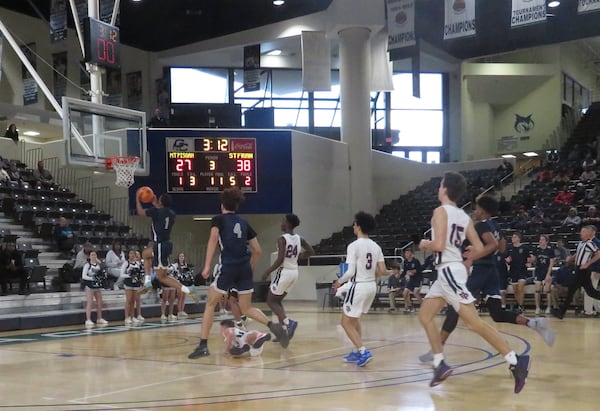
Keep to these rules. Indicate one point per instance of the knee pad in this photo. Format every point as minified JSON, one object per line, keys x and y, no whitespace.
{"x":451,"y":320}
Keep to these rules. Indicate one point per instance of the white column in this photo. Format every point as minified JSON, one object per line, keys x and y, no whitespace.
{"x":355,"y":75}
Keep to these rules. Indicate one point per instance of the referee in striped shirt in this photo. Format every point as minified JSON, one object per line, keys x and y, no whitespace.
{"x":588,"y":252}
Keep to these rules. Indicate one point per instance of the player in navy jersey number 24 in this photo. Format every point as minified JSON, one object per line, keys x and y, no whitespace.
{"x":449,"y":227}
{"x":237,"y":264}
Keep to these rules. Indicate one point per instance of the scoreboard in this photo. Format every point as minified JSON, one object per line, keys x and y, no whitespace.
{"x":210,"y":164}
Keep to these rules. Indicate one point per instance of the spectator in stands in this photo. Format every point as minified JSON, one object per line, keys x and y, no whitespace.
{"x":64,"y":237}
{"x":591,"y":217}
{"x":395,"y":286}
{"x":521,"y":220}
{"x":561,"y":178}
{"x":572,"y":220}
{"x":574,"y":155}
{"x":588,"y":175}
{"x":539,"y":220}
{"x":561,"y":280}
{"x":42,"y":177}
{"x":12,"y":133}
{"x":13,"y":172}
{"x":564,"y":196}
{"x":115,"y":259}
{"x":82,"y":257}
{"x":157,"y":120}
{"x":579,"y":194}
{"x":589,"y":161}
{"x":560,"y":252}
{"x":546,"y":175}
{"x":414,"y":278}
{"x":11,"y":266}
{"x":506,"y":167}
{"x":4,"y":177}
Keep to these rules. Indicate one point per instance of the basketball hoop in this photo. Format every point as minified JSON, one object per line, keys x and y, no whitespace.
{"x":125,"y":168}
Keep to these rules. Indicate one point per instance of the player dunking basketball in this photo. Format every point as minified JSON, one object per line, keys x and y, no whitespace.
{"x":163,"y":219}
{"x":449,"y":227}
{"x":234,"y":235}
{"x":290,"y":248}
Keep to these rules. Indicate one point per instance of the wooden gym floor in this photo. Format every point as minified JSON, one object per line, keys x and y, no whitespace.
{"x":147,"y":368}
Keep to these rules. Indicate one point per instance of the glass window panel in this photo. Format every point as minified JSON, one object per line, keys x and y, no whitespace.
{"x":335,"y":87}
{"x":331,"y":104}
{"x":291,"y":118}
{"x":399,"y":154}
{"x":433,"y":157}
{"x":295,"y":104}
{"x":419,"y":127}
{"x":431,"y":91}
{"x":327,"y":118}
{"x":238,"y":85}
{"x":415,"y":155}
{"x":196,"y":85}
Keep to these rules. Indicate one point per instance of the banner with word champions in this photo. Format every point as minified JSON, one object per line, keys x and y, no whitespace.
{"x":401,"y":23}
{"x":526,"y":12}
{"x":460,"y":19}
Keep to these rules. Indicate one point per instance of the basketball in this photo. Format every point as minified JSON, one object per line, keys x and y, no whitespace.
{"x":145,"y":194}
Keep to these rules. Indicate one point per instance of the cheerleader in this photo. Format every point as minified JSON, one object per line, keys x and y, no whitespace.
{"x":167,"y":302}
{"x":93,"y":276}
{"x":185,"y":275}
{"x":132,"y":275}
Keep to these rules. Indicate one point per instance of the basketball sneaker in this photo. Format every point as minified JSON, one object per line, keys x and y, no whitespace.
{"x":542,"y":327}
{"x":237,"y":351}
{"x":89,"y":324}
{"x":261,"y":339}
{"x":140,"y":319}
{"x":291,"y":328}
{"x":440,"y":373}
{"x":354,"y":356}
{"x":547,"y":312}
{"x":128,"y":321}
{"x":280,"y":333}
{"x":427,"y":357}
{"x":200,"y":351}
{"x":102,"y":322}
{"x":364,"y":358}
{"x":520,"y":372}
{"x":172,"y":318}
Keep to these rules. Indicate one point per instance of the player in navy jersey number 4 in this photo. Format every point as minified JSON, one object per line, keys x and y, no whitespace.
{"x":450,"y":226}
{"x":365,"y":262}
{"x":240,"y":251}
{"x":290,"y":248}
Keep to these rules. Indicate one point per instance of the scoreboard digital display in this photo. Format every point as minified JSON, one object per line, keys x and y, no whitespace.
{"x":211,"y":164}
{"x":101,"y":43}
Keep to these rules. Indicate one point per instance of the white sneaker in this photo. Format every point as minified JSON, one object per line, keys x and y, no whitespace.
{"x":128,"y":321}
{"x":102,"y":322}
{"x":172,"y":318}
{"x":537,"y":311}
{"x":89,"y":324}
{"x":135,"y":321}
{"x":182,"y":314}
{"x":141,"y":319}
{"x":163,"y":318}
{"x":548,"y":311}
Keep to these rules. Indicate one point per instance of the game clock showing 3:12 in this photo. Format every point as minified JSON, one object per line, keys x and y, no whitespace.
{"x":208,"y":165}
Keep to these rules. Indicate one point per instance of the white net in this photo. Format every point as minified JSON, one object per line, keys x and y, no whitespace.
{"x":125,"y":168}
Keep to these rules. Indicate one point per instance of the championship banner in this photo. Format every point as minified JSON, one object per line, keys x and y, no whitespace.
{"x":1,"y":40}
{"x":133,"y":83}
{"x":59,"y":79}
{"x":58,"y":20}
{"x":400,"y":23}
{"x":527,"y":12}
{"x":252,"y":68}
{"x":30,"y":88}
{"x":588,"y":5}
{"x":106,"y":10}
{"x":316,"y":61}
{"x":460,"y":19}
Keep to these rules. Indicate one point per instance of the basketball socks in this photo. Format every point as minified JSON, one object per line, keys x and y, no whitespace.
{"x":203,"y":343}
{"x":511,"y":357}
{"x":185,"y":289}
{"x":531,"y":323}
{"x":362,"y":350}
{"x":437,"y":359}
{"x":286,"y":323}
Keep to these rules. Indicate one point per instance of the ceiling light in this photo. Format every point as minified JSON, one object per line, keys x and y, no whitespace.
{"x":508,"y":156}
{"x":275,"y":52}
{"x":202,"y":218}
{"x":278,"y":2}
{"x":31,"y":133}
{"x":554,"y":3}
{"x":530,"y":154}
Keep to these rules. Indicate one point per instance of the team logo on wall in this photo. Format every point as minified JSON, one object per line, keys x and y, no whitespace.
{"x":180,"y":144}
{"x":523,"y":124}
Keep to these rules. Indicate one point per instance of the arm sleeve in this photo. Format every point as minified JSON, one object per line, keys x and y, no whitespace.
{"x":351,"y":260}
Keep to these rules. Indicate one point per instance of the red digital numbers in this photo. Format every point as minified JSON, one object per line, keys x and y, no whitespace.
{"x":106,"y":51}
{"x":243,"y":165}
{"x":183,"y":164}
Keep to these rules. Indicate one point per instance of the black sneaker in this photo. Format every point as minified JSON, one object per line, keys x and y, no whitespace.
{"x":200,"y":351}
{"x":280,"y":333}
{"x":261,"y":340}
{"x":237,"y":351}
{"x":520,"y":372}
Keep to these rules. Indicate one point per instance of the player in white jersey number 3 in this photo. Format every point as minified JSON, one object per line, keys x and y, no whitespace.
{"x":449,"y":227}
{"x":365,"y":262}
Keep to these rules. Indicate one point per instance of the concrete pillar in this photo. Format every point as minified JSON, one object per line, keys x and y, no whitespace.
{"x":355,"y":76}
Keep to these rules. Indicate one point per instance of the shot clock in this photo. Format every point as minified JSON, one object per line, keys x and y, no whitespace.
{"x":101,"y":43}
{"x":210,"y":164}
